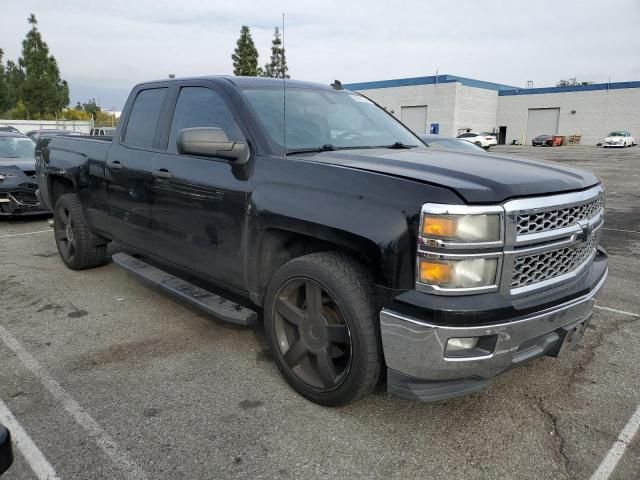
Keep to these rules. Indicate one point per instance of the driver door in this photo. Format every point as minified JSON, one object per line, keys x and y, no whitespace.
{"x":200,"y":205}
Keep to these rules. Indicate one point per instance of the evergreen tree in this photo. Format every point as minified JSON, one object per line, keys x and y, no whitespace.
{"x":245,"y":56}
{"x":14,"y":76}
{"x":43,"y":91}
{"x":4,"y":94}
{"x":277,"y":66}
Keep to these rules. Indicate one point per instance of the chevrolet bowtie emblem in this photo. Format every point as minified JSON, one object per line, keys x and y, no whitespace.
{"x":585,"y":231}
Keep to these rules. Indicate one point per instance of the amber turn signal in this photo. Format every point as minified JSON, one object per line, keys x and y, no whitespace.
{"x":438,"y":226}
{"x":435,"y":273}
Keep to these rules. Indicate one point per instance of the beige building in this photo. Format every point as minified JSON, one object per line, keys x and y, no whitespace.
{"x":448,"y":104}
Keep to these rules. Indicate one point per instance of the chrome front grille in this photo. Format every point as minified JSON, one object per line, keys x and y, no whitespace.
{"x":532,"y":269}
{"x":559,"y":218}
{"x":27,"y":199}
{"x":550,"y":239}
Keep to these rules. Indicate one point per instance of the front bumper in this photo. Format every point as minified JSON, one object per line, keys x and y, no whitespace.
{"x":418,"y":368}
{"x":19,"y":203}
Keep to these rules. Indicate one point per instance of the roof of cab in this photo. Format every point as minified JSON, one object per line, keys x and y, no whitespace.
{"x":247,"y":82}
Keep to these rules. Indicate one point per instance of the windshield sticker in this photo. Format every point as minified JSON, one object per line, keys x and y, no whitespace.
{"x":360,"y":98}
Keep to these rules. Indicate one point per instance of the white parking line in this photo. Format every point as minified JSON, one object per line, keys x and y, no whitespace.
{"x":27,"y":233}
{"x":610,"y":462}
{"x":42,"y":469}
{"x":129,"y":468}
{"x":614,"y":310}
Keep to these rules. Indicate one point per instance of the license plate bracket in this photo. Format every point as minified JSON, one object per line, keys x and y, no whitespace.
{"x":571,"y":335}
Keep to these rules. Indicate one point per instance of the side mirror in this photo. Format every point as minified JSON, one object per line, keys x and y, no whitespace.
{"x":211,"y":142}
{"x":6,"y":453}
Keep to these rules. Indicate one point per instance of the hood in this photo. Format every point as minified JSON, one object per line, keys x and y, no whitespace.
{"x":24,"y":163}
{"x":477,"y":178}
{"x":614,"y":139}
{"x":12,"y":177}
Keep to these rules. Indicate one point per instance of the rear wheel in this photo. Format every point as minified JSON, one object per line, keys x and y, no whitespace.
{"x":479,"y":144}
{"x":320,"y":325}
{"x":79,"y":248}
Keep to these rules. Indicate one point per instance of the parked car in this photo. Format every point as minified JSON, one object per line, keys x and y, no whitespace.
{"x":9,"y":128}
{"x":618,"y":138}
{"x":17,"y":176}
{"x":50,"y":132}
{"x":448,"y":143}
{"x":104,"y":131}
{"x":542,"y":141}
{"x":6,"y":451}
{"x":484,"y":140}
{"x":364,"y":250}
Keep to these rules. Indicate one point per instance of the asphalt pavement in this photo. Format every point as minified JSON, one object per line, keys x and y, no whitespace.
{"x":109,"y":378}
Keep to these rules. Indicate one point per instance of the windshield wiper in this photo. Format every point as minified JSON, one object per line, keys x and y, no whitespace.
{"x":399,"y":145}
{"x":325,"y":148}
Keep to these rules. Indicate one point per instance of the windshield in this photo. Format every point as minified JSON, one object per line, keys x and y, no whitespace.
{"x":323,"y":118}
{"x":617,"y":134}
{"x":16,"y":147}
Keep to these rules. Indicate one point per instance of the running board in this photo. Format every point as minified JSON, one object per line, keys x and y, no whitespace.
{"x":199,"y":297}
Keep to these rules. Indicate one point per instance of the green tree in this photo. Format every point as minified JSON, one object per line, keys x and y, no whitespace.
{"x":277,"y":66}
{"x":91,"y":107}
{"x":43,"y":91}
{"x":4,"y":94}
{"x":245,"y":56}
{"x":15,"y":79}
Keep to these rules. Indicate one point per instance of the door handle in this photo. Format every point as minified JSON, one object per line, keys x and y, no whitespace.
{"x":163,"y":173}
{"x":116,"y":165}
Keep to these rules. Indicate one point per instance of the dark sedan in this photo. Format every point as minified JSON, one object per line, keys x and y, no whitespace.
{"x":543,"y":141}
{"x":17,"y":176}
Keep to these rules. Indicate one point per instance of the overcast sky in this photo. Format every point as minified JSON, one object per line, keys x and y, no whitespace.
{"x":105,"y":47}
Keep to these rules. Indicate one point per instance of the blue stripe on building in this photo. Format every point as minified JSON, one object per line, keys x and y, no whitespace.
{"x":503,"y":90}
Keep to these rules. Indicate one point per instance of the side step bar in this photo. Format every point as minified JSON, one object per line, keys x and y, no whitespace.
{"x":199,"y":297}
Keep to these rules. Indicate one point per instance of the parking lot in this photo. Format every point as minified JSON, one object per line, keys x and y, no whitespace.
{"x":111,"y":379}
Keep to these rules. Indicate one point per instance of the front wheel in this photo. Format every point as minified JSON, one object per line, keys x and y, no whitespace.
{"x":320,"y":323}
{"x":79,"y":248}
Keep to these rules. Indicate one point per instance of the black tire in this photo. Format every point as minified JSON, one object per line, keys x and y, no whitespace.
{"x":346,"y":288}
{"x":78,"y":247}
{"x":478,"y":144}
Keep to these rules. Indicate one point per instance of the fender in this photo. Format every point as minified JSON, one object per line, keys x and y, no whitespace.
{"x":373,"y":215}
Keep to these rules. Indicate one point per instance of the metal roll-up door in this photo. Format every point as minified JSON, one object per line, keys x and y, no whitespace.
{"x":542,"y":121}
{"x":415,"y":118}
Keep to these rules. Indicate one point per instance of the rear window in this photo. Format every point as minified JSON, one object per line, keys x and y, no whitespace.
{"x":144,"y":117}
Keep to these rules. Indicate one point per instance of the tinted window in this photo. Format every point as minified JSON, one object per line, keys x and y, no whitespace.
{"x":325,"y":117}
{"x":202,"y":107}
{"x":144,"y":117}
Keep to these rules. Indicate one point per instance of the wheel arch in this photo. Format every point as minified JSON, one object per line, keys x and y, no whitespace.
{"x":57,"y":186}
{"x":278,"y":245}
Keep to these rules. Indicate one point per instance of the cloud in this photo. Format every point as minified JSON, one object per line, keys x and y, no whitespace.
{"x":112,"y":45}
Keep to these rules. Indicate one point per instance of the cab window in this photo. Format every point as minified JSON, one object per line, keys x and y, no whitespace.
{"x":202,"y":107}
{"x":143,"y":118}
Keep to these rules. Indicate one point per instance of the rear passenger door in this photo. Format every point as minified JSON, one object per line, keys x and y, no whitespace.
{"x":129,"y":170}
{"x":200,"y":204}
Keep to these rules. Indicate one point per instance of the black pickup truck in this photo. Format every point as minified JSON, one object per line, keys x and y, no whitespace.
{"x":370,"y":257}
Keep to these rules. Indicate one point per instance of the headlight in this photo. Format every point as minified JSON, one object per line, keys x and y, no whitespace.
{"x":460,"y":248}
{"x":462,"y":228}
{"x":449,"y":273}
